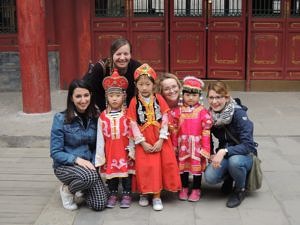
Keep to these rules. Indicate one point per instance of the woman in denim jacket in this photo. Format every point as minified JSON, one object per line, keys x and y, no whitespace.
{"x":72,"y":148}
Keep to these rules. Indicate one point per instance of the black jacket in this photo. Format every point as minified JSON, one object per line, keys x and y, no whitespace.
{"x":96,"y":75}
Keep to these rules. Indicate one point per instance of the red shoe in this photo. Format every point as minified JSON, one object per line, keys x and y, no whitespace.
{"x":195,"y":195}
{"x":183,"y":194}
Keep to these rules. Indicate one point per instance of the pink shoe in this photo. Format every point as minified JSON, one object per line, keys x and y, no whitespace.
{"x":125,"y":202}
{"x":195,"y":195}
{"x":112,"y":201}
{"x":183,"y":194}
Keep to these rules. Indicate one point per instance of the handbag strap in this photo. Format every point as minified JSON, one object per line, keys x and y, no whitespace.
{"x":235,"y":140}
{"x":230,"y":135}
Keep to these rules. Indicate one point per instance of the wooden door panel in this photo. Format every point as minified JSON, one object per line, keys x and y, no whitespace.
{"x":293,"y":41}
{"x":188,"y":54}
{"x":274,"y":41}
{"x":142,"y":23}
{"x":102,"y":42}
{"x":226,"y":40}
{"x":266,"y":50}
{"x":226,"y":58}
{"x":187,"y":38}
{"x":149,"y":48}
{"x":109,"y":22}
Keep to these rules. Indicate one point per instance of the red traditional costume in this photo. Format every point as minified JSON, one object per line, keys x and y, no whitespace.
{"x":112,"y":136}
{"x":149,"y":122}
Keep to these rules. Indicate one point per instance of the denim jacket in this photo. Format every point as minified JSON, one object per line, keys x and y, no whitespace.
{"x":71,"y":140}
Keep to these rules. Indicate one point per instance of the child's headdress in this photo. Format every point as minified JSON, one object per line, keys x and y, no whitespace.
{"x":145,"y":69}
{"x":115,"y":82}
{"x":192,"y":84}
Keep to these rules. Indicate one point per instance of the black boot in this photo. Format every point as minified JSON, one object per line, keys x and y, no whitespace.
{"x":236,"y":198}
{"x":227,"y":186}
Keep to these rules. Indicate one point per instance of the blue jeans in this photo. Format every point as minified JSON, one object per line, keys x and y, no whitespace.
{"x":236,"y":166}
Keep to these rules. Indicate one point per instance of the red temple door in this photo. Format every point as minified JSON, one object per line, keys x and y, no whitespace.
{"x":274,"y":27}
{"x":143,"y":23}
{"x":207,"y":38}
{"x":292,"y":29}
{"x":226,"y":39}
{"x":188,"y":38}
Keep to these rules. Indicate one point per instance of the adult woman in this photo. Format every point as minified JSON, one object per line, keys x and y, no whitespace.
{"x":169,"y":87}
{"x":232,"y":160}
{"x":72,"y":148}
{"x":120,"y":58}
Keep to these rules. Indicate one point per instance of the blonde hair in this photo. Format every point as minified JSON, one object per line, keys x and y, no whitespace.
{"x":164,"y":76}
{"x":219,"y":87}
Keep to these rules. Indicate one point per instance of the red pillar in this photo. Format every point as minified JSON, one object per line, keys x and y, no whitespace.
{"x":65,"y":27}
{"x":83,"y":21}
{"x":33,"y":56}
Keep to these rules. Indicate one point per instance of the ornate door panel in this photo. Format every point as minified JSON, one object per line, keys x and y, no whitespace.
{"x":274,"y":40}
{"x":292,"y":67}
{"x":149,"y":30}
{"x":266,"y":39}
{"x":188,"y":38}
{"x":226,"y":39}
{"x":143,"y":23}
{"x":110,"y":22}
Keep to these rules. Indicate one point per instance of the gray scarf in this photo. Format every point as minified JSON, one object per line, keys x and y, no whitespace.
{"x":225,"y":116}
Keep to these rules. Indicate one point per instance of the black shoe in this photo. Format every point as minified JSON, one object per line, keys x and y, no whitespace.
{"x":227,"y":186}
{"x":236,"y":198}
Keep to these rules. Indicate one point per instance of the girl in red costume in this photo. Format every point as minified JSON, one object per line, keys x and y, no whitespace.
{"x":156,"y":166}
{"x":114,"y":153}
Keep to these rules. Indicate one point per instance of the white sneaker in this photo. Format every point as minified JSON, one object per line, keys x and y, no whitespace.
{"x":143,"y":200}
{"x":157,"y":204}
{"x":67,"y":198}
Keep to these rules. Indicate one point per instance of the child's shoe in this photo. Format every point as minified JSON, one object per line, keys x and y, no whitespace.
{"x":67,"y":198}
{"x":125,"y":202}
{"x":143,"y":200}
{"x":112,"y":201}
{"x":157,"y":204}
{"x":183,"y":194}
{"x":195,"y":195}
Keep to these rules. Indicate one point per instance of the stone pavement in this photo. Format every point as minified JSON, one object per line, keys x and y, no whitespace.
{"x":29,"y":190}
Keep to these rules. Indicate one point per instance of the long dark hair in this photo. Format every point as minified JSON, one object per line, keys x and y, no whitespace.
{"x":115,"y":45}
{"x":91,"y":110}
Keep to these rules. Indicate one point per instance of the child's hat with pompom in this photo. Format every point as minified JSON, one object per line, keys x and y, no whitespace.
{"x":192,"y":84}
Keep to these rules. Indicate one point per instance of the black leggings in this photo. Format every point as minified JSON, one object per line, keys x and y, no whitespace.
{"x":113,"y":185}
{"x":85,"y":180}
{"x":196,"y":180}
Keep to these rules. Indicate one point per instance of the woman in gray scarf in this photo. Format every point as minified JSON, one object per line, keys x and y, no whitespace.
{"x":231,"y":160}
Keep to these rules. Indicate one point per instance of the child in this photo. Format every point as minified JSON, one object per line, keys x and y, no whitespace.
{"x":192,"y":138}
{"x":113,"y":142}
{"x":155,"y":161}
